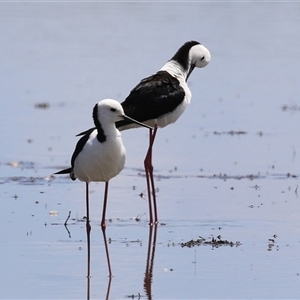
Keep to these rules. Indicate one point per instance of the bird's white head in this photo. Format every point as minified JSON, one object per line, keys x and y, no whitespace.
{"x":199,"y":56}
{"x":190,"y":55}
{"x":107,"y":111}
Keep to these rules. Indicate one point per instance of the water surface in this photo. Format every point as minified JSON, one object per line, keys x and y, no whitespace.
{"x":226,"y":171}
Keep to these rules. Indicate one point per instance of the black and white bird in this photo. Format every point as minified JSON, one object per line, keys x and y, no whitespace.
{"x":100,"y":154}
{"x":160,"y":99}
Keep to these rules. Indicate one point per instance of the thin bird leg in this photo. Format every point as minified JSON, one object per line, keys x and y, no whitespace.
{"x":107,"y":254}
{"x":152,"y":179}
{"x":103,"y":225}
{"x":149,"y":177}
{"x":148,"y":165}
{"x":88,"y":226}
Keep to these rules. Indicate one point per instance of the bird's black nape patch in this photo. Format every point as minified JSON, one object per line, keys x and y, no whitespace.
{"x":182,"y":55}
{"x":100,"y":136}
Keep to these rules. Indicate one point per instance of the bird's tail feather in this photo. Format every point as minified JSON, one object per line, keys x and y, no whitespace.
{"x":65,"y":171}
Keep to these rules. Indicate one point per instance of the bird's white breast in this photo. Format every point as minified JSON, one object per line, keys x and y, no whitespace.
{"x":174,"y":69}
{"x":100,"y":161}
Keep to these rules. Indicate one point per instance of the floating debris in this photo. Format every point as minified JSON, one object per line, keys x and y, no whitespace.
{"x":238,"y":177}
{"x":142,"y":195}
{"x":272,"y":242}
{"x":138,"y":217}
{"x":293,"y":107}
{"x":53,"y":213}
{"x":168,"y":270}
{"x":133,"y":296}
{"x":42,"y":105}
{"x":68,"y":217}
{"x":214,"y":242}
{"x":231,"y":132}
{"x":14,"y":164}
{"x":284,"y":176}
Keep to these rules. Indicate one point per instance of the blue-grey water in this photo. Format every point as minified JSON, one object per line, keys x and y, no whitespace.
{"x":228,"y":169}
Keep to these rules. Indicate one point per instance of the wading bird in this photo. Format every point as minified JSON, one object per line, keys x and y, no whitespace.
{"x":159,"y":100}
{"x":100,"y":154}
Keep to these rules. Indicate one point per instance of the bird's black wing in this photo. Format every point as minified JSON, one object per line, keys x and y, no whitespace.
{"x":79,"y":146}
{"x":89,"y":131}
{"x":153,"y":97}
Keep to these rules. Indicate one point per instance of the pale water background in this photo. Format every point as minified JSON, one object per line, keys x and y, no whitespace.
{"x":229,"y":166}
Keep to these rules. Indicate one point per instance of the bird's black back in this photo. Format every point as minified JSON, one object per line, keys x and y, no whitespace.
{"x":153,"y":97}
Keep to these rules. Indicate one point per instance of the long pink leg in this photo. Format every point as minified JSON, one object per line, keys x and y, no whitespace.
{"x":152,"y":180}
{"x":103,"y":225}
{"x":149,"y":177}
{"x":147,"y":165}
{"x":88,"y":226}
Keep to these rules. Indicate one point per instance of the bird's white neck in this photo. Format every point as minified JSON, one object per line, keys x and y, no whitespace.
{"x":110,"y":131}
{"x":175,"y":69}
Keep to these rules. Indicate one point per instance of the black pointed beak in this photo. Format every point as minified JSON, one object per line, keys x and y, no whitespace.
{"x":137,"y":122}
{"x":190,"y":71}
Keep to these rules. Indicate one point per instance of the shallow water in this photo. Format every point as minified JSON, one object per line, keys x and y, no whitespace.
{"x":227,"y":171}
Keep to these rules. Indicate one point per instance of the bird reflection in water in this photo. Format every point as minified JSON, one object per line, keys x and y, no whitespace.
{"x":88,"y":233}
{"x":108,"y":264}
{"x":150,"y":261}
{"x":148,"y":278}
{"x":88,"y":240}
